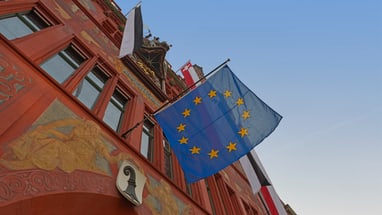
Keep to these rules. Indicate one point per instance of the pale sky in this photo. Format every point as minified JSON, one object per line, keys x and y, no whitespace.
{"x":318,"y":64}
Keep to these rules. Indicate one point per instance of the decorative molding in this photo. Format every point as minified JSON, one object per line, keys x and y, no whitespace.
{"x":19,"y":185}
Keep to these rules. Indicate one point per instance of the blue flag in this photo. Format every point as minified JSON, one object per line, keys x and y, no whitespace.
{"x":215,"y":124}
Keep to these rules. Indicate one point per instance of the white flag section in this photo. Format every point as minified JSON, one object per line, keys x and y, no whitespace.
{"x":250,"y":171}
{"x":260,"y":182}
{"x":189,"y":74}
{"x":133,"y":32}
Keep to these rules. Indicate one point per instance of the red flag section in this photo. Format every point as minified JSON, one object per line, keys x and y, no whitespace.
{"x":189,"y":74}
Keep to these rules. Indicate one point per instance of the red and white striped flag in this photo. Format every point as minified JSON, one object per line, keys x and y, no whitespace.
{"x":260,"y":182}
{"x":275,"y":206}
{"x":189,"y":74}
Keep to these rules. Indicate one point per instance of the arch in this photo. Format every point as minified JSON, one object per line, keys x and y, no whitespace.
{"x":71,"y":203}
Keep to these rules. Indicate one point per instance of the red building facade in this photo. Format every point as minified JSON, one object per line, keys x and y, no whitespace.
{"x":66,"y":102}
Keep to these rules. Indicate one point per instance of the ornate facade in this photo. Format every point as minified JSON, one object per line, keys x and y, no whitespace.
{"x":66,"y":102}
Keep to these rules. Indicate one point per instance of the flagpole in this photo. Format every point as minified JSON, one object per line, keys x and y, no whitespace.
{"x":137,"y":5}
{"x":174,"y":98}
{"x":191,"y":86}
{"x":182,"y":66}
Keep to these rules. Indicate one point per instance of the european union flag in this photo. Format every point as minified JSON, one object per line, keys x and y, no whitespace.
{"x":215,"y":124}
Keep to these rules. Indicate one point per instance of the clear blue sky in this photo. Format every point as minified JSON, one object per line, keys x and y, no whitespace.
{"x":317,"y":63}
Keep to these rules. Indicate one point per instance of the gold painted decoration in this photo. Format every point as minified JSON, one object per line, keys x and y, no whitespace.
{"x":67,"y":144}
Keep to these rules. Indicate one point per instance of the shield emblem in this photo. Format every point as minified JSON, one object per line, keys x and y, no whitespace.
{"x":130,"y":182}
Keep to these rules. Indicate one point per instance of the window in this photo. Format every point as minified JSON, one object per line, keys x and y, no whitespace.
{"x":115,"y":110}
{"x":224,"y":193}
{"x":248,"y":209}
{"x":210,"y":197}
{"x":188,"y":189}
{"x":21,"y":24}
{"x":234,"y":200}
{"x":168,"y":159}
{"x":91,"y":86}
{"x":147,"y":140}
{"x":63,"y":64}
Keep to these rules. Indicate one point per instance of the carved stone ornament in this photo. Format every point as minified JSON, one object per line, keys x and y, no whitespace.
{"x":130,"y":182}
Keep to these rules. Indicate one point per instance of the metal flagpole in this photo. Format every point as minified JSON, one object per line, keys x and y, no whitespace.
{"x":137,"y":5}
{"x":174,"y":99}
{"x":187,"y":89}
{"x":182,"y":67}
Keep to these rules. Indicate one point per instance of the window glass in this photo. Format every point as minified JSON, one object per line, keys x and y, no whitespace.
{"x":115,"y":109}
{"x":90,"y":87}
{"x":21,"y":24}
{"x":210,"y":196}
{"x":167,"y":158}
{"x":63,"y":64}
{"x":147,"y":140}
{"x":189,"y":189}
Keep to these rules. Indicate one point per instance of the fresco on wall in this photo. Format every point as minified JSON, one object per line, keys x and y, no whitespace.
{"x":47,"y":147}
{"x":61,"y":152}
{"x":59,"y":139}
{"x":84,"y":27}
{"x":162,"y":200}
{"x":12,"y":79}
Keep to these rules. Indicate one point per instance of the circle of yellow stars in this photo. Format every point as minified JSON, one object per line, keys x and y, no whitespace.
{"x":231,"y":146}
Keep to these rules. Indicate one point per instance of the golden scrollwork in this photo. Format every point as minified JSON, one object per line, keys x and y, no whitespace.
{"x":146,"y":69}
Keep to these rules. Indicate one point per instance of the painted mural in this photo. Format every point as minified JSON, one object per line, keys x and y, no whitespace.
{"x":62,"y":142}
{"x":46,"y":147}
{"x":62,"y":153}
{"x":12,"y":79}
{"x":162,"y":200}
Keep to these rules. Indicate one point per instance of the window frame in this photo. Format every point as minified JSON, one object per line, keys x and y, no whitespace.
{"x":28,"y":18}
{"x":168,"y":159}
{"x":65,"y":54}
{"x":97,"y":71}
{"x":123,"y":109}
{"x":151,"y":138}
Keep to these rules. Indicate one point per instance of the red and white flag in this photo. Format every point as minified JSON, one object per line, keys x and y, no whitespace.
{"x":189,"y":74}
{"x":260,"y":182}
{"x":275,"y":206}
{"x":255,"y":171}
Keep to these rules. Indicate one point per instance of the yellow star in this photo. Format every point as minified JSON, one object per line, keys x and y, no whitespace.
{"x":227,"y":93}
{"x":181,"y":127}
{"x":231,"y":147}
{"x":197,"y":100}
{"x":246,"y":115}
{"x":239,"y":101}
{"x":186,"y":113}
{"x":195,"y":150}
{"x":184,"y":140}
{"x":243,"y":132}
{"x":212,"y":93}
{"x":213,"y":154}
